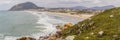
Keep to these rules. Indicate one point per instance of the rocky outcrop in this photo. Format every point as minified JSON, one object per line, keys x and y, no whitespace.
{"x":26,"y":38}
{"x":24,"y":6}
{"x":67,"y":25}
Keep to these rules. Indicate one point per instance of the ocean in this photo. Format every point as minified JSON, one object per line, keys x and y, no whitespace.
{"x":15,"y":24}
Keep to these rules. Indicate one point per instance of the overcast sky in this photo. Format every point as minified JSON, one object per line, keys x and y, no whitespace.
{"x":6,"y":4}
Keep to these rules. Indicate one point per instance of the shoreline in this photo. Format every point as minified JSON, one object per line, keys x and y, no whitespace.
{"x":81,"y":16}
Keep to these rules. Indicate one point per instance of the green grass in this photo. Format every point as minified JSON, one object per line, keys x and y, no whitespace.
{"x":100,"y":22}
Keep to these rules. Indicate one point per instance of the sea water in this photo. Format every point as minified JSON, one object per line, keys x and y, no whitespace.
{"x":15,"y":24}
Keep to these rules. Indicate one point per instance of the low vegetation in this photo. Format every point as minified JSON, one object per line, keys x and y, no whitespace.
{"x":104,"y":26}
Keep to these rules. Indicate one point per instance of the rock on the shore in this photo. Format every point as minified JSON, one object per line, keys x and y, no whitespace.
{"x":67,"y":25}
{"x":26,"y":38}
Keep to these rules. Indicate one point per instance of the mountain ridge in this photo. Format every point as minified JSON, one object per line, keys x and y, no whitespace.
{"x":94,"y":8}
{"x":103,"y":7}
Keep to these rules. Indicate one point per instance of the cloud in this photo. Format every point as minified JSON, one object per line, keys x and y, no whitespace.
{"x":97,"y":1}
{"x":91,"y":1}
{"x":77,"y":1}
{"x":4,"y":2}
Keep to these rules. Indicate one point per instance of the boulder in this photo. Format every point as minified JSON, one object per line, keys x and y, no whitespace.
{"x":87,"y":37}
{"x":70,"y":38}
{"x":111,"y":16}
{"x":67,"y":25}
{"x":58,"y":27}
{"x":26,"y":38}
{"x":92,"y":33}
{"x":100,"y":33}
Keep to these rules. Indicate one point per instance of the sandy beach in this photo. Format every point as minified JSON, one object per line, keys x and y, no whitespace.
{"x":82,"y":16}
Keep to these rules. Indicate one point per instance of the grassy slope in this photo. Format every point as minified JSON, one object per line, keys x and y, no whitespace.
{"x":100,"y":22}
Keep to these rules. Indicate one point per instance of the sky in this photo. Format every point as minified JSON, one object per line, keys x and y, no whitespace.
{"x":7,"y":4}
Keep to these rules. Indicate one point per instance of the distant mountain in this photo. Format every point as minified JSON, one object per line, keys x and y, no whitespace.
{"x":24,"y":6}
{"x":103,"y":7}
{"x":78,"y":7}
{"x":93,"y":8}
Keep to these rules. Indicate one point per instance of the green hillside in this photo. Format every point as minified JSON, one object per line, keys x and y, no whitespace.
{"x":104,"y":26}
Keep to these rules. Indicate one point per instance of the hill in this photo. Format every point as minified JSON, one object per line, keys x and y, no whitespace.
{"x":104,"y":26}
{"x":24,"y":6}
{"x":79,"y":7}
{"x":103,"y":7}
{"x":93,"y":8}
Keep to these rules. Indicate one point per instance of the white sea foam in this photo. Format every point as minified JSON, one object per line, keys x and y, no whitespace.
{"x":43,"y":19}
